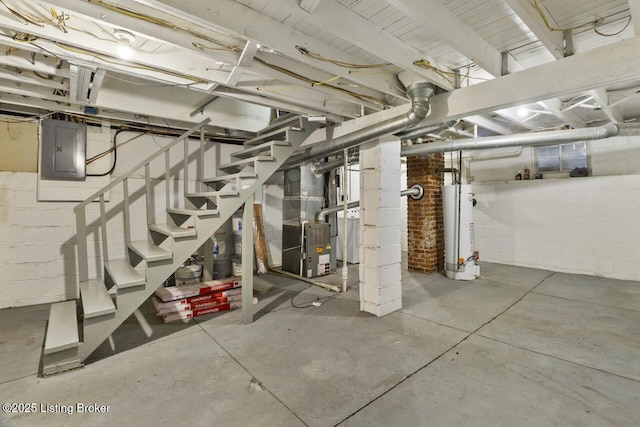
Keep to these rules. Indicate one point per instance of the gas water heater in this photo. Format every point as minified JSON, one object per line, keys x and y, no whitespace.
{"x":460,"y":255}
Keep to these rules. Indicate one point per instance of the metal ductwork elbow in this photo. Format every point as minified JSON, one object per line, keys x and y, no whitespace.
{"x":418,"y":92}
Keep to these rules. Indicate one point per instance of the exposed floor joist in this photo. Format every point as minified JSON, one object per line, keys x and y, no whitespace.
{"x":552,"y":40}
{"x":450,"y":29}
{"x":329,"y":15}
{"x":569,"y":117}
{"x":251,"y":25}
{"x":602,"y":99}
{"x":568,"y":76}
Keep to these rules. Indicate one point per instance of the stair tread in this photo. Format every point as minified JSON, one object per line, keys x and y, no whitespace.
{"x":123,"y":274}
{"x":245,"y":180}
{"x":287,"y":120}
{"x":172,"y":230}
{"x":244,"y":162}
{"x":148,"y":251}
{"x":95,"y":299}
{"x":250,"y":151}
{"x":278,"y":134}
{"x":230,"y":177}
{"x":62,"y":332}
{"x":221,"y":193}
{"x":198,"y":212}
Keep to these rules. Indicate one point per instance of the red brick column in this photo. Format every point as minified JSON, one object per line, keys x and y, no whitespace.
{"x":425,"y":226}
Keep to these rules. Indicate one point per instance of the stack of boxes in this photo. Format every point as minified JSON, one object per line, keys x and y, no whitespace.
{"x":183,"y":302}
{"x":221,"y":294}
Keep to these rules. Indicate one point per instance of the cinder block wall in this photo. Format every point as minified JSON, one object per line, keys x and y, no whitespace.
{"x":425,"y":229}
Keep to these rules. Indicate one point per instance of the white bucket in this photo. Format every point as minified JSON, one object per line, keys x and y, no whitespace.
{"x":237,"y":265}
{"x":237,"y":243}
{"x":220,"y":245}
{"x":236,"y":221}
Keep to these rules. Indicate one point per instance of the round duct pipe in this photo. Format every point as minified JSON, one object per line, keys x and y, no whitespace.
{"x":425,"y":130}
{"x":517,"y":140}
{"x":419,"y":94}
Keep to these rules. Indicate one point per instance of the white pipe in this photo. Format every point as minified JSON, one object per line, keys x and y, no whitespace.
{"x":345,"y":205}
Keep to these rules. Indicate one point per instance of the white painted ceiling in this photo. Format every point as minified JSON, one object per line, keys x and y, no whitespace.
{"x":341,"y":59}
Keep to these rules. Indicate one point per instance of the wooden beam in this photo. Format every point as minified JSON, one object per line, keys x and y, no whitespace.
{"x":634,"y":7}
{"x":179,"y":40}
{"x":573,"y":75}
{"x":570,"y":117}
{"x":329,"y":16}
{"x":513,"y":115}
{"x":489,"y":124}
{"x":551,"y":40}
{"x":246,"y":23}
{"x":249,"y":51}
{"x":439,"y":20}
{"x":613,"y":112}
{"x":309,"y":5}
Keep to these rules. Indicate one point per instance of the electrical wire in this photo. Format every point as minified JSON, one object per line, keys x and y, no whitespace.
{"x":113,"y":149}
{"x":111,"y":76}
{"x":307,"y":305}
{"x":305,"y":51}
{"x":223,"y":48}
{"x":423,"y":63}
{"x":115,"y":156}
{"x":22,"y":17}
{"x":612,"y":34}
{"x":317,"y":83}
{"x":26,"y":119}
{"x":595,"y":24}
{"x":118,"y":62}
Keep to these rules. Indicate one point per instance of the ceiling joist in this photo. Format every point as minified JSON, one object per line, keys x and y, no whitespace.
{"x":552,"y":40}
{"x":451,"y":30}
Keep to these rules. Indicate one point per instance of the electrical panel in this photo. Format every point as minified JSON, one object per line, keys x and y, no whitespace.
{"x":64,"y":147}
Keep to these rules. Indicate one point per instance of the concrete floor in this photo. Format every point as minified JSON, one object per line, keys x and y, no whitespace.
{"x":517,"y":347}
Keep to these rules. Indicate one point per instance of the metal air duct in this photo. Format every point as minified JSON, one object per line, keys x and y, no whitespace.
{"x":419,"y":94}
{"x":517,"y":140}
{"x":425,"y":130}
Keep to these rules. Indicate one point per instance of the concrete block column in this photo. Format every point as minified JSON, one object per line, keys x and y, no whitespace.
{"x":380,"y":272}
{"x":425,"y":228}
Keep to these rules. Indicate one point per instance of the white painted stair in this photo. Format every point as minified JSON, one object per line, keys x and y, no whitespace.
{"x":126,"y":283}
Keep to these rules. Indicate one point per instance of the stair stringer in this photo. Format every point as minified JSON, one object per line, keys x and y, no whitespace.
{"x":98,"y":329}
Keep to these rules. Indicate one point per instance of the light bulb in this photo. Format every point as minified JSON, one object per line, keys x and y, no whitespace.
{"x":125,"y":52}
{"x":522,"y":112}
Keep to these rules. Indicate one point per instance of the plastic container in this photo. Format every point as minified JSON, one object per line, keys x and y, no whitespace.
{"x":221,"y":268}
{"x":236,"y":263}
{"x":220,"y":244}
{"x":236,"y":221}
{"x":237,"y":243}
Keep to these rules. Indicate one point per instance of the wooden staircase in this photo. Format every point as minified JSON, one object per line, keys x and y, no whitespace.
{"x":76,"y":328}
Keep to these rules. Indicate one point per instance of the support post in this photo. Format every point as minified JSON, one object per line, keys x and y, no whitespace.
{"x":247,"y":262}
{"x":380,"y":253}
{"x":345,"y":205}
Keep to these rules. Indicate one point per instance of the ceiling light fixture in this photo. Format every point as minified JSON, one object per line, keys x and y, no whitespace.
{"x":522,"y":112}
{"x":125,"y":52}
{"x":125,"y":40}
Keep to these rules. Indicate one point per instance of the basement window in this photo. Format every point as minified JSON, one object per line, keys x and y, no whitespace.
{"x":562,"y":158}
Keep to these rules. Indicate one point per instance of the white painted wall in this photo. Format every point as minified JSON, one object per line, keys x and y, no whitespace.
{"x":578,"y":225}
{"x":37,"y":239}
